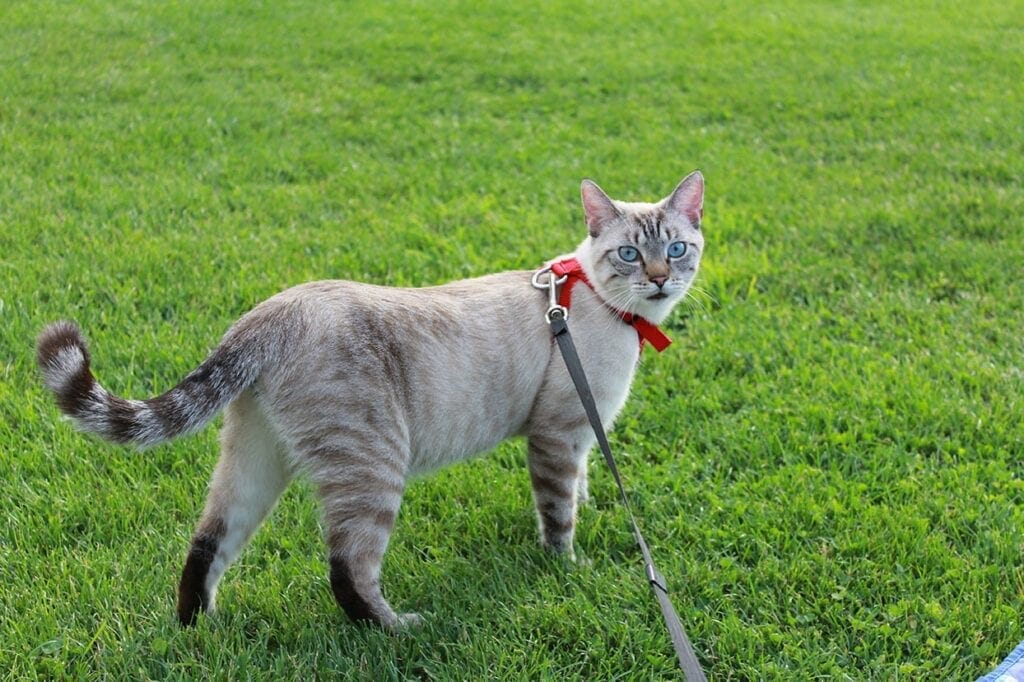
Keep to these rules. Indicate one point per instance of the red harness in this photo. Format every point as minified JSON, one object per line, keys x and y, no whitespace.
{"x":645,"y":330}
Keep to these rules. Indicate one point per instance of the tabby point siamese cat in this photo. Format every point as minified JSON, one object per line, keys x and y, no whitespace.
{"x":358,"y":387}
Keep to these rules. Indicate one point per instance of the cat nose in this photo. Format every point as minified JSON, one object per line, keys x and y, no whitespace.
{"x":659,"y":280}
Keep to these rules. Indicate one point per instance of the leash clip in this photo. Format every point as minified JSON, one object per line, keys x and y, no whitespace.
{"x":656,"y":578}
{"x":555,"y":311}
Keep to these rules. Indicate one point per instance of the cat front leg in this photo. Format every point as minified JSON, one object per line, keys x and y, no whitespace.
{"x":582,"y":487}
{"x":555,"y":462}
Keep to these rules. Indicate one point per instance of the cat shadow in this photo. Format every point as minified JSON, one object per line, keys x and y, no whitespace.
{"x":497,"y":571}
{"x":475,"y":577}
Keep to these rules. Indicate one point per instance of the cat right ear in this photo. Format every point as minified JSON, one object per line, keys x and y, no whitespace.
{"x":598,"y":208}
{"x":688,"y":198}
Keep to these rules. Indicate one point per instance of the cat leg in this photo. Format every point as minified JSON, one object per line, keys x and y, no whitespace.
{"x":582,"y":487}
{"x":361,"y":492}
{"x":555,"y":462}
{"x":247,"y":481}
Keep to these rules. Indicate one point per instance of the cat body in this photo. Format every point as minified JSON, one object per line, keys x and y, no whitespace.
{"x":454,"y":369}
{"x":359,"y":386}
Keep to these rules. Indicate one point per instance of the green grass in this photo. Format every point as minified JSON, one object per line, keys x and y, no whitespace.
{"x":828,"y":462}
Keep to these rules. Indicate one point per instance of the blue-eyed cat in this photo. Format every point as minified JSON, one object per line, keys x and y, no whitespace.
{"x":359,"y":386}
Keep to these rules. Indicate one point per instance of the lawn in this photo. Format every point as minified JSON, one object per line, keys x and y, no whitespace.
{"x":828,"y":462}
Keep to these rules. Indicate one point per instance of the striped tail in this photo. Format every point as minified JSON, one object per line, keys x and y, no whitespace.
{"x":64,"y":360}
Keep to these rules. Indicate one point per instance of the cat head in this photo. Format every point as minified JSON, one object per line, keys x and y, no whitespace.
{"x":642,"y":258}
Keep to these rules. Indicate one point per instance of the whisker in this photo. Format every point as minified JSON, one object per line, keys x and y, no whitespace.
{"x":704,"y":293}
{"x":692,"y":301}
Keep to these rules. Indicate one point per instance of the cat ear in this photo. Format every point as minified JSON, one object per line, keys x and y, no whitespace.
{"x":688,"y":198}
{"x":598,"y":208}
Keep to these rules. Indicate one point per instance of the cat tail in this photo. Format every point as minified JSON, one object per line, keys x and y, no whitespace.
{"x":231,"y":368}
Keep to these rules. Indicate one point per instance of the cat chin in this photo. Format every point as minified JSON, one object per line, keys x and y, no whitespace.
{"x":657,"y":309}
{"x":654,"y":311}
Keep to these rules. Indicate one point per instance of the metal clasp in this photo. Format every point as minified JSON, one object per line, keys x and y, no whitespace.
{"x":555,"y":310}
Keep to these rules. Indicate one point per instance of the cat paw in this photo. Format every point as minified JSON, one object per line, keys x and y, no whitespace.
{"x":408,"y":621}
{"x":583,"y":561}
{"x":561,"y":550}
{"x":572,"y":560}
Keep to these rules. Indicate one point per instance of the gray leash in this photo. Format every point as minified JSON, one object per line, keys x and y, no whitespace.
{"x":556,"y":317}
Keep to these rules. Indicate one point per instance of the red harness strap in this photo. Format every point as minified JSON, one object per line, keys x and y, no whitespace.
{"x":645,"y":330}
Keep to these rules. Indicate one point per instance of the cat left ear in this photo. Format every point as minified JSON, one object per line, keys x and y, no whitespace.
{"x":688,"y":198}
{"x":598,"y":208}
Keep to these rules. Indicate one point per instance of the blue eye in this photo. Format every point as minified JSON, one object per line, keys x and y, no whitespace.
{"x":676,"y":249}
{"x":628,"y":253}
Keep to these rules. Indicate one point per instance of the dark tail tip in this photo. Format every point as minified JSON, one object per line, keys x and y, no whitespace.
{"x":64,"y":361}
{"x":56,"y":337}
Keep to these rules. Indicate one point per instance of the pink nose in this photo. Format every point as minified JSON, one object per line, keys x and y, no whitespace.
{"x":659,"y":280}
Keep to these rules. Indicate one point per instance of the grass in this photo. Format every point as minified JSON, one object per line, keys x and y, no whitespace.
{"x":828,"y":462}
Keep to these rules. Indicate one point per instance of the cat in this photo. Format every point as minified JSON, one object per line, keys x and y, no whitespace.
{"x":359,"y":386}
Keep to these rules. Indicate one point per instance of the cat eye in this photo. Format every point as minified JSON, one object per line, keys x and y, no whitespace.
{"x":676,"y":249}
{"x":628,"y":254}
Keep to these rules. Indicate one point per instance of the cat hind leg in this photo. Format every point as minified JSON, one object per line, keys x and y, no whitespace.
{"x":249,"y":478}
{"x":361,"y":489}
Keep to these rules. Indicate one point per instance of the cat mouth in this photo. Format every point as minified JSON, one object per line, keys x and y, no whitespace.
{"x":658,"y":296}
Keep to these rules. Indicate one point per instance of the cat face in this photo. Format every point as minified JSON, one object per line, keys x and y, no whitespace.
{"x":644,"y":257}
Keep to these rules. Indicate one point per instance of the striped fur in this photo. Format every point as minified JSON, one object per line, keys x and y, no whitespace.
{"x":357,"y":387}
{"x":233,"y":366}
